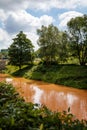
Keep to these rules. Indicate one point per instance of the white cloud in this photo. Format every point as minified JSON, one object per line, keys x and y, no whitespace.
{"x":20,"y":20}
{"x":49,"y":4}
{"x":46,"y":20}
{"x":13,"y":4}
{"x":34,"y":38}
{"x":3,"y":34}
{"x":66,"y":4}
{"x":2,"y":15}
{"x":65,"y":17}
{"x":5,"y":39}
{"x":41,"y":5}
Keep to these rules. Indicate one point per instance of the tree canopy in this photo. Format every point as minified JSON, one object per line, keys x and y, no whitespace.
{"x":63,"y":49}
{"x":52,"y":43}
{"x":48,"y":42}
{"x":21,"y":50}
{"x":77,"y":30}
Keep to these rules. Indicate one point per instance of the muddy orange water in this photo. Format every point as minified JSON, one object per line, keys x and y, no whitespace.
{"x":55,"y":97}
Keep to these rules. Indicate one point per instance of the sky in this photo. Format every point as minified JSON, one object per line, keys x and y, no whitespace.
{"x":30,"y":15}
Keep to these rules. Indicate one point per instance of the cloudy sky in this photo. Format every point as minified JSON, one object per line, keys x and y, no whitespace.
{"x":29,"y":15}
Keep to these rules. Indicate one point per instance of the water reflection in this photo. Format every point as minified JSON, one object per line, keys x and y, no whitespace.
{"x":37,"y":95}
{"x":9,"y":80}
{"x":71,"y":99}
{"x":53,"y":96}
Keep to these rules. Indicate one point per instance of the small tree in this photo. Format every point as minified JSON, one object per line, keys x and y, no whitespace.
{"x":77,"y":28}
{"x":20,"y":51}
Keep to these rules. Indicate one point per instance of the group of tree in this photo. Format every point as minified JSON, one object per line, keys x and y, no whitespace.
{"x":54,"y":45}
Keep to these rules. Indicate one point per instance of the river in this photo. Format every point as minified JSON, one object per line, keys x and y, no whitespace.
{"x":55,"y":97}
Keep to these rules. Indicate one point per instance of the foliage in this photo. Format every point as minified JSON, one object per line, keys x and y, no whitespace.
{"x":15,"y":114}
{"x":63,"y":50}
{"x":77,"y":30}
{"x":48,"y":42}
{"x":20,"y":51}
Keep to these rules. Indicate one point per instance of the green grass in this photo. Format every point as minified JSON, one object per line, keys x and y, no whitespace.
{"x":69,"y":75}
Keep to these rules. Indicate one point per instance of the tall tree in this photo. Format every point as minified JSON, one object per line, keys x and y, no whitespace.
{"x":21,"y":50}
{"x":77,"y":28}
{"x":63,"y":49}
{"x":48,"y":42}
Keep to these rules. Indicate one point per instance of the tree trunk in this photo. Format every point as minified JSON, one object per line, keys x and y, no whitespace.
{"x":82,"y":63}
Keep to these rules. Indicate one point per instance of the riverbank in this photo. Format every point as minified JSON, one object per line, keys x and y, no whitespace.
{"x":68,"y":75}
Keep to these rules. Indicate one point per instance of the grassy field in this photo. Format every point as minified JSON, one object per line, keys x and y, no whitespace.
{"x":68,"y":75}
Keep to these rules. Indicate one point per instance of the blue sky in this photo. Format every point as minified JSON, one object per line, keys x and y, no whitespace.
{"x":29,"y":15}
